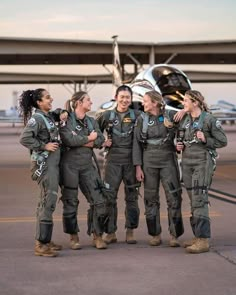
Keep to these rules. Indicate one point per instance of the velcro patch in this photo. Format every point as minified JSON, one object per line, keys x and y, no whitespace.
{"x":31,"y":122}
{"x":127,"y":120}
{"x":218,"y":124}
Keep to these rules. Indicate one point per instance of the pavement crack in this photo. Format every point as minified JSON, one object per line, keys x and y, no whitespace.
{"x":225,"y":256}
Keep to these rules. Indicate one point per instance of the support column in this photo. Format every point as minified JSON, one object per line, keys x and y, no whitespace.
{"x":152,"y":56}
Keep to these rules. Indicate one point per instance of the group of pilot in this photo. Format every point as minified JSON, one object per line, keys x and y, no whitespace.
{"x":139,"y":147}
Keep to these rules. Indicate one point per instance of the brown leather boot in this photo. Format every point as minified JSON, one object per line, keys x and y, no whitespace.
{"x":130,"y":239}
{"x":189,"y":243}
{"x":155,"y":241}
{"x":44,"y":250}
{"x":98,"y":242}
{"x":54,"y":247}
{"x":74,"y":242}
{"x":110,"y":238}
{"x":200,"y":246}
{"x":173,"y":242}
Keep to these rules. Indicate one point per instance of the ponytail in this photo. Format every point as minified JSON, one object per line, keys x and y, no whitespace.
{"x":70,"y":104}
{"x":28,"y":101}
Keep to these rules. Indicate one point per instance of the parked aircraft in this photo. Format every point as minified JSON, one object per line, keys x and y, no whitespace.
{"x":167,"y":80}
{"x":224,"y":111}
{"x":171,"y":82}
{"x":10,"y":116}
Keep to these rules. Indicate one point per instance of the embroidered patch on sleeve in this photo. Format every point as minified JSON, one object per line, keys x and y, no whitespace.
{"x":218,"y":124}
{"x":31,"y":122}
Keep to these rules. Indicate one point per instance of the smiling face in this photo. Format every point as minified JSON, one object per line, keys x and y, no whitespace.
{"x":148,"y":105}
{"x":124,"y":100}
{"x":45,"y":104}
{"x":86,"y":103}
{"x":188,"y":104}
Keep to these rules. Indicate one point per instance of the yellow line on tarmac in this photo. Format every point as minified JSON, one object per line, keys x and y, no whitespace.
{"x":84,"y":217}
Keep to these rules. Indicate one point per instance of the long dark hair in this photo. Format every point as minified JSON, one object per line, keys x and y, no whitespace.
{"x":28,"y":101}
{"x":70,"y":104}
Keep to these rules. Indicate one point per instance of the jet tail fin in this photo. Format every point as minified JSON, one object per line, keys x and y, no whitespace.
{"x":116,"y":72}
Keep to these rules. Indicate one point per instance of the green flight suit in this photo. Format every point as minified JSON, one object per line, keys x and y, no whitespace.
{"x":154,"y":150}
{"x":34,"y":136}
{"x":78,"y":171}
{"x":198,"y":164}
{"x":118,"y":164}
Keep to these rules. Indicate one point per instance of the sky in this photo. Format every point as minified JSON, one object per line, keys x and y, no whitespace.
{"x":136,"y":20}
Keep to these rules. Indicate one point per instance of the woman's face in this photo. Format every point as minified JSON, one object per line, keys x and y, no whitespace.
{"x":86,"y":103}
{"x":45,"y":104}
{"x":148,"y":104}
{"x":124,"y":100}
{"x":188,"y":104}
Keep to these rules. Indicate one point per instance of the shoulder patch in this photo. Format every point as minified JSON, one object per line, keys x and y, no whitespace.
{"x":218,"y":124}
{"x":31,"y":122}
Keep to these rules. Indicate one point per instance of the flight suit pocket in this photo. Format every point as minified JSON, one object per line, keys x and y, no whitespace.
{"x":199,"y":201}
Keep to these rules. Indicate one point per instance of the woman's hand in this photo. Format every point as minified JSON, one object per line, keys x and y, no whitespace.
{"x":51,"y":146}
{"x":92,"y":136}
{"x":107,"y":143}
{"x":139,"y":173}
{"x":64,"y":116}
{"x":179,"y":146}
{"x":200,"y":135}
{"x":89,"y":144}
{"x":179,"y":115}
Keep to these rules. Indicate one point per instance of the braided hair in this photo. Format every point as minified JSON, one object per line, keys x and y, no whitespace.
{"x":28,"y":101}
{"x":197,"y":96}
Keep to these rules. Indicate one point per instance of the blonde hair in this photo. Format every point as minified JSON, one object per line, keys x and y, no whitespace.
{"x":71,"y":104}
{"x":197,"y":96}
{"x":156,"y":96}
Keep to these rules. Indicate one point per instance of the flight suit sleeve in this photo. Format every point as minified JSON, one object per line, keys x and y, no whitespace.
{"x":29,"y":137}
{"x":69,"y":136}
{"x":100,"y":139}
{"x":137,"y":144}
{"x":216,"y":137}
{"x":102,"y":120}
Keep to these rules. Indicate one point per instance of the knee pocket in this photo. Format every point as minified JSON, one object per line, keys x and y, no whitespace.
{"x":70,"y":203}
{"x":100,"y":209}
{"x":51,"y":200}
{"x":131,"y":197}
{"x":70,"y":196}
{"x":199,"y":201}
{"x":176,"y":203}
{"x":151,"y":197}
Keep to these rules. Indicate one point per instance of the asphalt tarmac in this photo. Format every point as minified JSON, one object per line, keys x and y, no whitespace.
{"x":122,"y":268}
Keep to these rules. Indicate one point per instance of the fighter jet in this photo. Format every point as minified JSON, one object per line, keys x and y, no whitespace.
{"x":171,"y":82}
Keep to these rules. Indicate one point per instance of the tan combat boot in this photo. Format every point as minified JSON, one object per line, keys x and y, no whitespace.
{"x":130,"y":239}
{"x":54,"y":247}
{"x":173,"y":242}
{"x":155,"y":241}
{"x":74,"y":242}
{"x":98,"y":242}
{"x":44,"y":250}
{"x":200,"y":246}
{"x":189,"y":243}
{"x":110,"y":238}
